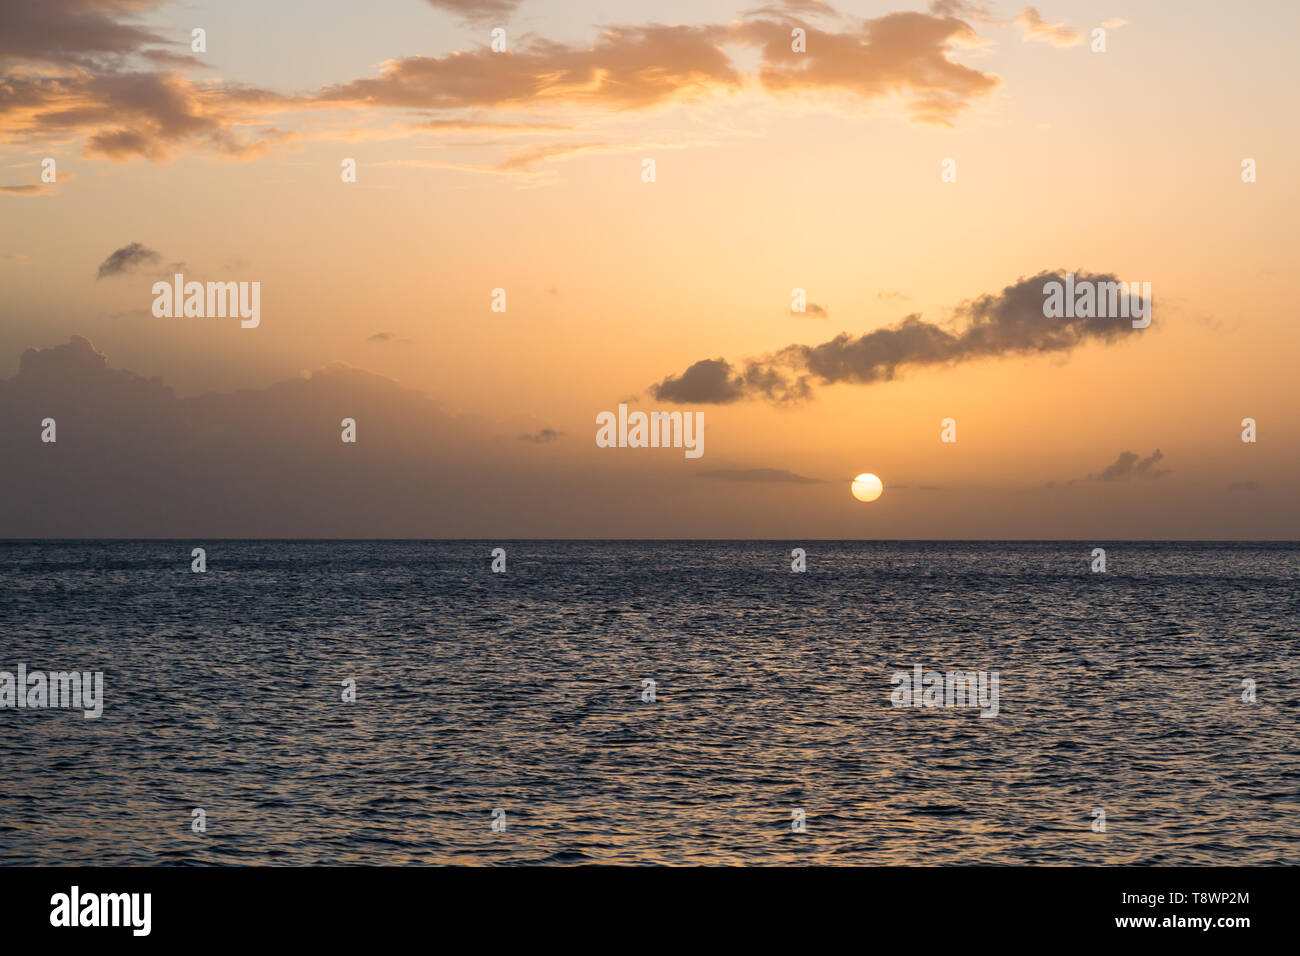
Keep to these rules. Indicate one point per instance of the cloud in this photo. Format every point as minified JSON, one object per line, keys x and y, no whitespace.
{"x":83,"y":33}
{"x":790,"y":9}
{"x":388,"y":337}
{"x":899,"y":54}
{"x":1127,"y":467}
{"x":478,"y":11}
{"x":73,"y":70}
{"x":139,"y":461}
{"x":542,"y":437}
{"x":127,"y":259}
{"x":135,"y":459}
{"x":125,"y":115}
{"x":1030,"y":21}
{"x":87,"y":81}
{"x":962,"y":8}
{"x":1244,"y":486}
{"x":525,"y":160}
{"x":708,"y":381}
{"x":815,"y":310}
{"x":520,"y":163}
{"x":777,"y":475}
{"x":1006,"y":323}
{"x":17,"y":257}
{"x":466,"y":125}
{"x":636,"y":67}
{"x":34,"y":189}
{"x":628,"y":67}
{"x":1057,"y":34}
{"x":168,"y":58}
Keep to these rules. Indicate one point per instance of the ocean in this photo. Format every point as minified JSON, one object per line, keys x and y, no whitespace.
{"x":1146,"y":715}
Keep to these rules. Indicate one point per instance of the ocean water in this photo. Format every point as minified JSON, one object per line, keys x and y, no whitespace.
{"x":1119,"y":692}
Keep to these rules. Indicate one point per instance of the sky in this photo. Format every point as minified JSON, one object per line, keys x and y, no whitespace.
{"x":920,"y":171}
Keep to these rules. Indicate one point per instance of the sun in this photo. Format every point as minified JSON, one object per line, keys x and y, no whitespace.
{"x":867,"y":487}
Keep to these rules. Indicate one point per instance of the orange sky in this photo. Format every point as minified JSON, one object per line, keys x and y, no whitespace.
{"x":774,"y":170}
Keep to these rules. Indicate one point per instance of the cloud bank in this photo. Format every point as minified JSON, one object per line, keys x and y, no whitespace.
{"x":88,"y":69}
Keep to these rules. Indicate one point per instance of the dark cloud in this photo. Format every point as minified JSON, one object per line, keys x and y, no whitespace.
{"x":124,"y":115}
{"x":127,"y":259}
{"x":817,"y":311}
{"x":542,"y":437}
{"x":708,"y":381}
{"x":1010,"y":322}
{"x":779,"y":475}
{"x":133,"y":459}
{"x":1127,"y":466}
{"x":84,"y":33}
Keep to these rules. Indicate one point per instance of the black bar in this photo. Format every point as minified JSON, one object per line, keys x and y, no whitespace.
{"x":654,"y":907}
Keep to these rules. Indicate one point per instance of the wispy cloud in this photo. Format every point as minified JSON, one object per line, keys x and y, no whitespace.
{"x":478,"y":12}
{"x":1128,"y":466}
{"x":388,"y":337}
{"x":1057,"y":34}
{"x":767,"y":475}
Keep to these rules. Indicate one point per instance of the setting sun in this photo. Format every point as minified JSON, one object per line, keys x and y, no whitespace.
{"x":867,"y":487}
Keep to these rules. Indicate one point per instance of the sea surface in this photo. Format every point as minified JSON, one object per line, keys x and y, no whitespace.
{"x":1120,"y":692}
